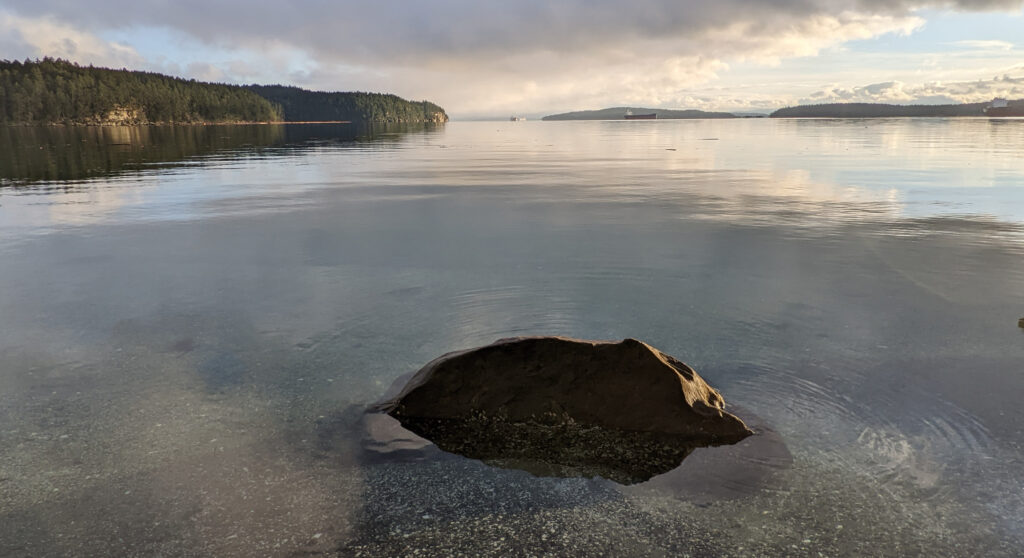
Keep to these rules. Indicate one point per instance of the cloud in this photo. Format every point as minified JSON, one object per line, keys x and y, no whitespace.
{"x":446,"y":32}
{"x":645,"y":70}
{"x":928,"y":93}
{"x":35,"y":37}
{"x":440,"y":30}
{"x":204,"y":71}
{"x":479,"y":56}
{"x":986,"y":45}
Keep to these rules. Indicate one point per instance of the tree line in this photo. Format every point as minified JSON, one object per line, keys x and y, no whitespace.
{"x":301,"y":105}
{"x":875,"y":110}
{"x":51,"y":91}
{"x":55,"y":91}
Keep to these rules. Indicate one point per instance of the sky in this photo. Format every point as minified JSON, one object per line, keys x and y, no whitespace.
{"x":480,"y":58}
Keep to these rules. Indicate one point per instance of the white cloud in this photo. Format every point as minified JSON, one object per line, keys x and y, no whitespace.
{"x":646,"y":71}
{"x":35,"y":37}
{"x":204,"y":71}
{"x":985,"y":45}
{"x":896,"y":92}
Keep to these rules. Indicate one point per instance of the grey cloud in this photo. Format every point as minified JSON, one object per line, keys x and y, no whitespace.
{"x":12,"y":45}
{"x":488,"y":57}
{"x":412,"y":31}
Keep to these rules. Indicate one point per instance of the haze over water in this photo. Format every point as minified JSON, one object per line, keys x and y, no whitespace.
{"x":188,"y":339}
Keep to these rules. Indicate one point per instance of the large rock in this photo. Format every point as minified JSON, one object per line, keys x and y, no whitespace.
{"x":559,"y":406}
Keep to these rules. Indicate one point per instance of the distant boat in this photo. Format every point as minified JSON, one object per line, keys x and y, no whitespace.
{"x":630,"y":116}
{"x":1001,"y":107}
{"x":517,"y":119}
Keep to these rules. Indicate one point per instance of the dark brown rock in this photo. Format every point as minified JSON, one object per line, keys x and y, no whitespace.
{"x":559,"y":406}
{"x":1020,"y":322}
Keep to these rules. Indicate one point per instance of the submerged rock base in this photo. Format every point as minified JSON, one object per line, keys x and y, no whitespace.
{"x":565,"y":407}
{"x":556,"y":448}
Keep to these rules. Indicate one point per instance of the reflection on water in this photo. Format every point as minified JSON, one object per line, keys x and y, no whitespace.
{"x":33,"y":154}
{"x":187,"y":352}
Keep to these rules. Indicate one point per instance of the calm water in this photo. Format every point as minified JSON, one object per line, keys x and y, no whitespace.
{"x":193,"y":319}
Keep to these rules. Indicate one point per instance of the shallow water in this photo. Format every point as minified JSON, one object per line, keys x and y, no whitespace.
{"x":188,"y":339}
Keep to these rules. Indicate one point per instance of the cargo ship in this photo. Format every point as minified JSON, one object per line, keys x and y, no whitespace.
{"x":1001,"y":107}
{"x":631,"y":116}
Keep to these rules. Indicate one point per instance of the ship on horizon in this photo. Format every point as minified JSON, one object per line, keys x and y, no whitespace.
{"x":1001,"y":107}
{"x":630,"y":116}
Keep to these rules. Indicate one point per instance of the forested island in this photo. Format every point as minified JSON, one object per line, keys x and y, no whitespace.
{"x":619,"y":113}
{"x":877,"y":110}
{"x":54,"y":91}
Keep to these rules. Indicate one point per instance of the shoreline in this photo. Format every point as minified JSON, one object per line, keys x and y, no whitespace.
{"x":230,"y":123}
{"x":242,"y":123}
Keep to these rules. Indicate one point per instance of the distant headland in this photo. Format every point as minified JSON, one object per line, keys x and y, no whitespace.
{"x":994,"y":108}
{"x":54,"y":91}
{"x":998,"y":107}
{"x":620,"y":113}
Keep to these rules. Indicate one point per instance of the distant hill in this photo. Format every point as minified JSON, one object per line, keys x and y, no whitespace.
{"x":618,"y":113}
{"x":53,"y":91}
{"x":875,"y":110}
{"x":301,"y":105}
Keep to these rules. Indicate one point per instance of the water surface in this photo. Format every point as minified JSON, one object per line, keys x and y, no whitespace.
{"x":188,"y":340}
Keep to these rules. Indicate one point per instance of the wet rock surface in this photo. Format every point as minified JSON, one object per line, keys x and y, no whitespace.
{"x":560,"y":407}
